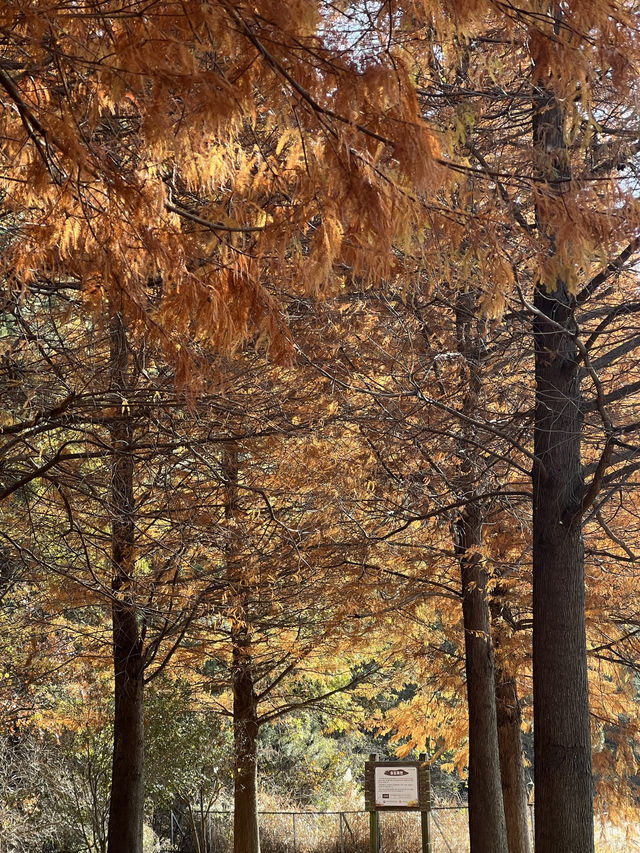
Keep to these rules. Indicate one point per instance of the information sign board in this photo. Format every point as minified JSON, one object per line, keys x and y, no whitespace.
{"x":396,"y":787}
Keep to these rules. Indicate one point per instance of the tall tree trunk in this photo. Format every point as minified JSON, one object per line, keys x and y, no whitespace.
{"x":127,"y":794}
{"x":563,"y":772}
{"x":487,"y":830}
{"x":514,"y":788}
{"x":245,"y":732}
{"x":246,"y":837}
{"x":509,"y":716}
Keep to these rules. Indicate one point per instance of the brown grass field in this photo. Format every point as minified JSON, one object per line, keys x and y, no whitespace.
{"x":348,"y":832}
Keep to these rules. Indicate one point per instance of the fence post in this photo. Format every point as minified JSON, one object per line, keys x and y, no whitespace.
{"x":295,"y":840}
{"x":341,"y":833}
{"x":425,"y":813}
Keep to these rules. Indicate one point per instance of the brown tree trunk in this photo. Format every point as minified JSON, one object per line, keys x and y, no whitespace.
{"x":514,"y":788}
{"x":563,"y":773}
{"x":127,"y":794}
{"x":246,"y":837}
{"x":245,"y":732}
{"x":487,"y":830}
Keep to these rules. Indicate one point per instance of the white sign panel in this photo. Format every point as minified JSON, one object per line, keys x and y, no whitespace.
{"x":396,"y":786}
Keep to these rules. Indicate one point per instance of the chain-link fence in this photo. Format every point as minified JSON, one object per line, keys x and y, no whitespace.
{"x":348,"y":832}
{"x":318,"y":832}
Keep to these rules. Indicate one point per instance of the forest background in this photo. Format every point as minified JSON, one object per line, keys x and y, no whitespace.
{"x":319,"y":378}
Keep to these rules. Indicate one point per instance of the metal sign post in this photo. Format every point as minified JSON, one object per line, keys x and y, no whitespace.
{"x":397,"y":786}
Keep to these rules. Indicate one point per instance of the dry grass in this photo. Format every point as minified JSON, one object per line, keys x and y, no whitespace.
{"x":618,"y":839}
{"x":331,"y":833}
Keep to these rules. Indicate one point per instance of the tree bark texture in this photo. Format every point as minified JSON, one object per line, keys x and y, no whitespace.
{"x":563,"y":772}
{"x":246,"y":837}
{"x":127,"y":793}
{"x":514,"y":788}
{"x":487,"y":830}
